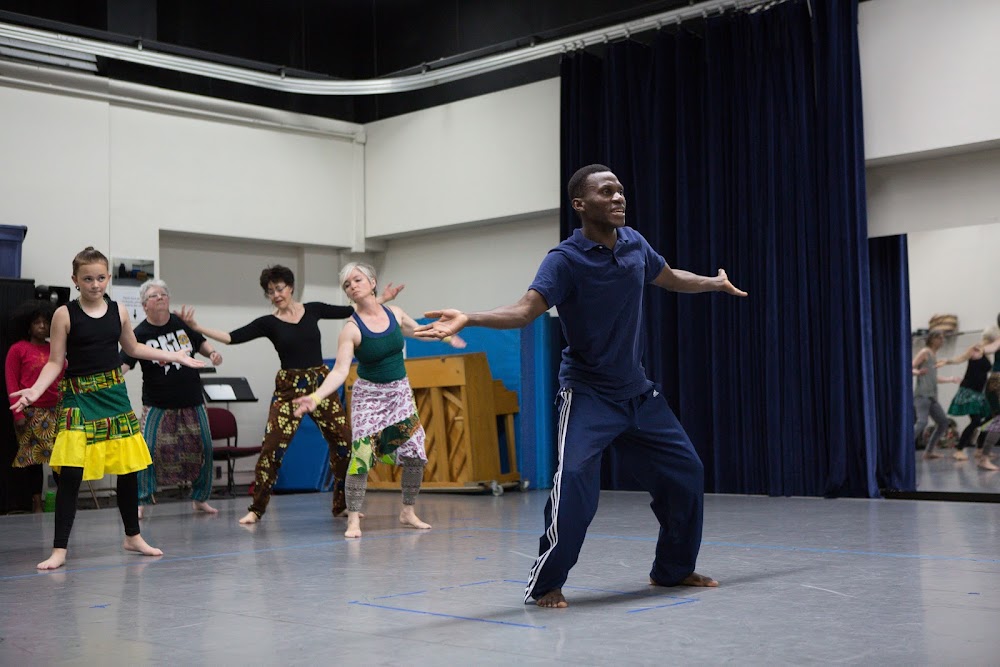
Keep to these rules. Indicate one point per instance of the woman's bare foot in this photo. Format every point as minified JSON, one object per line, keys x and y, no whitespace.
{"x":344,"y":513}
{"x":960,"y":455}
{"x":931,"y":455}
{"x":408,"y":517}
{"x":140,"y":512}
{"x":202,"y":506}
{"x":985,"y":464}
{"x":693,"y":579}
{"x":353,"y":525}
{"x":53,"y":562}
{"x":137,"y":544}
{"x":553,"y":600}
{"x":249,"y":518}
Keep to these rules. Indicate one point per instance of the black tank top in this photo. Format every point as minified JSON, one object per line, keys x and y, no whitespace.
{"x":92,"y":345}
{"x":976,"y":373}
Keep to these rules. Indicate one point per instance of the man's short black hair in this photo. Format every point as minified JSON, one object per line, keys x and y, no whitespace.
{"x":575,"y":186}
{"x":276,"y":274}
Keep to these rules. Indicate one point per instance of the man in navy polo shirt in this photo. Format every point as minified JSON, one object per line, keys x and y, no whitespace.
{"x":595,"y":279}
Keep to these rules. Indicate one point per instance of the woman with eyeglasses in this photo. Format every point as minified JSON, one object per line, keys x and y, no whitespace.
{"x":293,"y":329}
{"x":174,"y":420}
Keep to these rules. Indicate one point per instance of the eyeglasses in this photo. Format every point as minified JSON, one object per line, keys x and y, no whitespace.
{"x":158,"y":295}
{"x":277,"y":288}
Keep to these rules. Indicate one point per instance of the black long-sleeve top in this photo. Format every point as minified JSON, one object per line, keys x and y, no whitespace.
{"x":298,"y":345}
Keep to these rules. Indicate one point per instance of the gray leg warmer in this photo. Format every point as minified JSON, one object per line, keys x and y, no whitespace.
{"x":413,"y":474}
{"x":354,"y":490}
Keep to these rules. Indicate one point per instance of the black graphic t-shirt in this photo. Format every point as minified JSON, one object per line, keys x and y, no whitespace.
{"x":169,"y":386}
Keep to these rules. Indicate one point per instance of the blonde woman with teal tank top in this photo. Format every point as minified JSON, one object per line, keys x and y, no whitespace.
{"x":384,"y":421}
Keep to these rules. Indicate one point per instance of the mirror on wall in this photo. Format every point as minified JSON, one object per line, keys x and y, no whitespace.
{"x":953,"y":276}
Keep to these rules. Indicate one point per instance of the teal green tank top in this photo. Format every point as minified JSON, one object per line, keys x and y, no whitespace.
{"x":380,"y":355}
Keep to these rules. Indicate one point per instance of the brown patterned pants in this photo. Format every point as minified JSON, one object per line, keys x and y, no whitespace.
{"x":281,"y":426}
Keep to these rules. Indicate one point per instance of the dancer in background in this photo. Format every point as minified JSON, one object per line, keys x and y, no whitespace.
{"x":970,"y":400}
{"x":35,"y":426}
{"x":293,"y":329}
{"x":98,"y":432}
{"x":384,"y":420}
{"x":925,"y":392}
{"x":174,"y":420}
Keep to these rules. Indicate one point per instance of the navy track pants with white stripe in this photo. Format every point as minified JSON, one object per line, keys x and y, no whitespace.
{"x":652,"y":444}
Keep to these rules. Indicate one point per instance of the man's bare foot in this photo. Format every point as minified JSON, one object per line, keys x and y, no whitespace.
{"x":985,"y":464}
{"x":202,"y":506}
{"x":53,"y":562}
{"x":408,"y":517}
{"x":960,"y":455}
{"x":931,"y":455}
{"x":137,"y":544}
{"x":353,"y":525}
{"x":249,"y":518}
{"x":693,"y":579}
{"x":553,"y":600}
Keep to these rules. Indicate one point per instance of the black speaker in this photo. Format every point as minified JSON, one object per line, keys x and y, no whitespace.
{"x":59,"y":296}
{"x":13,"y":492}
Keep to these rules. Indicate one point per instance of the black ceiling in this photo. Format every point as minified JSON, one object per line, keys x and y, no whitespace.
{"x":349,"y":39}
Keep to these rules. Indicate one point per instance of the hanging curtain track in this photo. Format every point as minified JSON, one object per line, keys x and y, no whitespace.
{"x":399,"y":84}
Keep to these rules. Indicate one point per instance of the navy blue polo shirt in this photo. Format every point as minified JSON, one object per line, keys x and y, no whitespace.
{"x":598,"y":293}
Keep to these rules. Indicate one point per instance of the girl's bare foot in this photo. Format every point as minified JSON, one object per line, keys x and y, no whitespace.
{"x":960,"y":455}
{"x":408,"y":517}
{"x":554,"y":599}
{"x":53,"y":562}
{"x":249,"y":518}
{"x":985,"y":464}
{"x":202,"y":506}
{"x":137,"y":544}
{"x":353,"y":525}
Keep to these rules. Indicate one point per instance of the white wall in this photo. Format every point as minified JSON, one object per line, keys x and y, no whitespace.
{"x":54,"y":178}
{"x":191,"y":174}
{"x":928,"y":71}
{"x":476,"y":268}
{"x":955,"y":271}
{"x":486,"y":158}
{"x":937,"y":193}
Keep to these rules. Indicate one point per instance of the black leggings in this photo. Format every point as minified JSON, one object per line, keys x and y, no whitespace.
{"x":975,"y":421}
{"x":68,"y":488}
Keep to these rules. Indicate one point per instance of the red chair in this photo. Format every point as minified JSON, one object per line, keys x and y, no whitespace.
{"x":222,"y":424}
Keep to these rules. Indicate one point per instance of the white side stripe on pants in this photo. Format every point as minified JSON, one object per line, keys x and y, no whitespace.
{"x":553,"y":530}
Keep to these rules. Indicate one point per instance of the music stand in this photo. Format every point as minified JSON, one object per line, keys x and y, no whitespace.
{"x":226,"y":390}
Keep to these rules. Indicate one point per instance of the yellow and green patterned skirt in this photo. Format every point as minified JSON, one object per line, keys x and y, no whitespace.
{"x":98,"y":431}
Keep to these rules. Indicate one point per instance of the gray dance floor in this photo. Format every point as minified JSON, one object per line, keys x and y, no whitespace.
{"x":804,"y":582}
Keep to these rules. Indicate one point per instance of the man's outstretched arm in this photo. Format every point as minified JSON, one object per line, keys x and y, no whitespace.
{"x":676,"y":280}
{"x":514,"y":316}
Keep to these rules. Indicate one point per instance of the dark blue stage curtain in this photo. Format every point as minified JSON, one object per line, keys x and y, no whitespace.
{"x":890,"y":281}
{"x":739,"y":142}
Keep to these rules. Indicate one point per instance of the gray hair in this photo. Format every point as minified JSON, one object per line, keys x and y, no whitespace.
{"x":367,"y":269}
{"x":150,"y":284}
